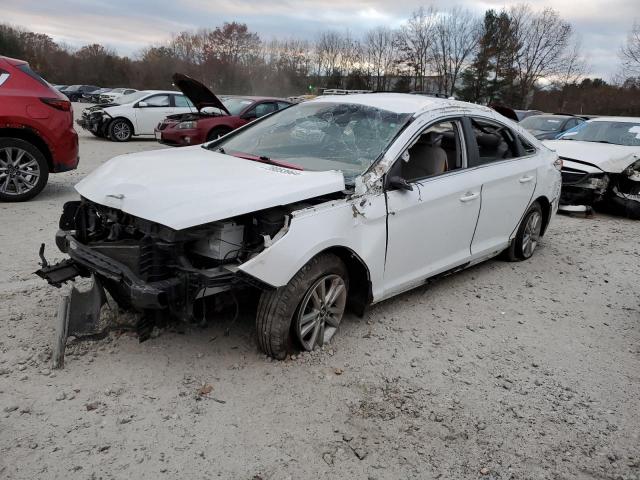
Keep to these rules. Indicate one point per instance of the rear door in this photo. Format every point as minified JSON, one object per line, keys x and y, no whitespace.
{"x":509,"y":179}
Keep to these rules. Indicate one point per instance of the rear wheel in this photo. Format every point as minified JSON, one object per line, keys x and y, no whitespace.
{"x":23,"y":170}
{"x":527,"y":236}
{"x":305,"y":313}
{"x":217,"y":133}
{"x":120,"y":130}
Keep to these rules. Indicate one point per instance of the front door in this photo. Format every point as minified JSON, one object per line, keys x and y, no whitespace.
{"x":151,"y":111}
{"x":430,"y":227}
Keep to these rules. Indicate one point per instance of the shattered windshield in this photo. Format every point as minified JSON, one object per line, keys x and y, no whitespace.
{"x":545,"y":124}
{"x":617,"y":133}
{"x":320,"y":136}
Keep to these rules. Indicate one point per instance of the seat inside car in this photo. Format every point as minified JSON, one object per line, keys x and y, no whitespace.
{"x":426,"y":157}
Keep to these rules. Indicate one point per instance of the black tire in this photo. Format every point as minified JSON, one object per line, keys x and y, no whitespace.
{"x":517,"y":251}
{"x":276,"y":308}
{"x":120,"y":130}
{"x":216,"y":133}
{"x":8,"y":192}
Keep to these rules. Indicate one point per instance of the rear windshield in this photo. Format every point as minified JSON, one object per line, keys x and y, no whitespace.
{"x":25,"y":68}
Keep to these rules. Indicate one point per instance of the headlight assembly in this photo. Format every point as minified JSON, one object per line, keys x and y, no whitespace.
{"x":186,"y":125}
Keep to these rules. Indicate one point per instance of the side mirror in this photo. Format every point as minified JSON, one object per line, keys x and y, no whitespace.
{"x":249,"y":116}
{"x":142,"y":104}
{"x":399,"y":183}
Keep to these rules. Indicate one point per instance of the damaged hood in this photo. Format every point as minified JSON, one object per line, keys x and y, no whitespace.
{"x":199,"y":95}
{"x":194,"y":186}
{"x":607,"y":157}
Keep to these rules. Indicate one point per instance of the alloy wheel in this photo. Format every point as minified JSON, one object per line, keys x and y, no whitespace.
{"x":531,"y":234}
{"x":121,"y":131}
{"x":19,"y":171}
{"x":321,"y":311}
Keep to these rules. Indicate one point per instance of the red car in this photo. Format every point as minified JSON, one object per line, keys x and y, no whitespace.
{"x":214,"y":117}
{"x":36,"y":132}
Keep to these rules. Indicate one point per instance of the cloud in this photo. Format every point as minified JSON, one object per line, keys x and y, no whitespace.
{"x":127,"y":28}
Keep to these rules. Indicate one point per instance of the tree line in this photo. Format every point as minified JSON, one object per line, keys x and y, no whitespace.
{"x":518,"y":56}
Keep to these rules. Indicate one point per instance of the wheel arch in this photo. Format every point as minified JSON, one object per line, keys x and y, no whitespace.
{"x":545,"y":205}
{"x":222,"y":126}
{"x":360,"y":289}
{"x":29,"y":135}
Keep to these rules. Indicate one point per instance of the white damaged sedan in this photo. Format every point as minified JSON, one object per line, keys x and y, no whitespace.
{"x":332,"y":204}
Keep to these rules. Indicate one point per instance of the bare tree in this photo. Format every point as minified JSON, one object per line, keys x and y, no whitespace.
{"x":381,"y":55}
{"x":415,"y":40}
{"x":543,"y":39}
{"x":630,"y":51}
{"x":456,"y":35}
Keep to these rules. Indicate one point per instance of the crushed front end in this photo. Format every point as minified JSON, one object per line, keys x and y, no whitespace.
{"x":149,"y":268}
{"x":95,"y":119}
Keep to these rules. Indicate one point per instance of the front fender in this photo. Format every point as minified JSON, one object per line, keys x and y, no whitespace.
{"x":357,"y":224}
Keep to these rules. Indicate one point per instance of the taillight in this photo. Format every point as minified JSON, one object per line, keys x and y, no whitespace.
{"x":58,"y":104}
{"x":558,"y":163}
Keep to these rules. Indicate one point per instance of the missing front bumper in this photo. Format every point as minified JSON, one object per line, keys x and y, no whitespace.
{"x":78,"y":316}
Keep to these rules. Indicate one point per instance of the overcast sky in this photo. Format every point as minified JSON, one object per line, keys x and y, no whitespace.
{"x":128,"y":25}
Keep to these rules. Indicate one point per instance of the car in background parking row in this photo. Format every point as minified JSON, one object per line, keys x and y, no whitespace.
{"x":114,"y":94}
{"x":549,"y":127}
{"x":75,"y":92}
{"x":215,"y":117}
{"x":36,"y":132}
{"x":134,"y":114}
{"x":601,"y":165}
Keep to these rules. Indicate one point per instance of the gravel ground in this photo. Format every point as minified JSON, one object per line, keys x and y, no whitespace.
{"x":523,"y":371}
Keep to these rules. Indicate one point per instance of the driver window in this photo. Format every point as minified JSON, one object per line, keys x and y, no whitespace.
{"x":437,"y":150}
{"x":495,"y":142}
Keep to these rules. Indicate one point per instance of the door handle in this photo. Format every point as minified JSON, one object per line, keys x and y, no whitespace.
{"x":526,"y":179}
{"x":467,"y":197}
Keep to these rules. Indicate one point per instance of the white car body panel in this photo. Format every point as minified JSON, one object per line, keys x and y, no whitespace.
{"x":207,"y":186}
{"x":607,"y":157}
{"x":430,"y":229}
{"x":145,"y":119}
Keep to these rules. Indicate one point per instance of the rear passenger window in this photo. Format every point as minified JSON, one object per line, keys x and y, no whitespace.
{"x":528,"y":148}
{"x":182,"y":101}
{"x":495,"y":142}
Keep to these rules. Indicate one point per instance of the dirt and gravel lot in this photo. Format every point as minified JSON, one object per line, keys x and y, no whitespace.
{"x":523,"y":371}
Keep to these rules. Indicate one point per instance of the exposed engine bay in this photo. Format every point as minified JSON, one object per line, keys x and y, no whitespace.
{"x":152,"y":269}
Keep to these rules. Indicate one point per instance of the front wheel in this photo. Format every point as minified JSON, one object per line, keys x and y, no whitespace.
{"x":527,"y":236}
{"x":217,"y":133}
{"x":120,"y":130}
{"x":305,"y":313}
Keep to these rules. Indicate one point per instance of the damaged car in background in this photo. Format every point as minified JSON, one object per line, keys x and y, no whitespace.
{"x":215,"y":117}
{"x":329,"y":205}
{"x":601,"y":166}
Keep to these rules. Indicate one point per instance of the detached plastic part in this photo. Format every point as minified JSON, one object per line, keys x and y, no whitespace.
{"x":78,"y":316}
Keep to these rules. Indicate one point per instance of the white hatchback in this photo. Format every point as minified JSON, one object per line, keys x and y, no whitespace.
{"x":335,"y":203}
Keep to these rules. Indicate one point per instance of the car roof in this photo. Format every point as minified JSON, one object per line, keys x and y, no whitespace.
{"x":256,"y":98}
{"x":398,"y":102}
{"x":160,"y":91}
{"x":12,"y":61}
{"x":616,"y":119}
